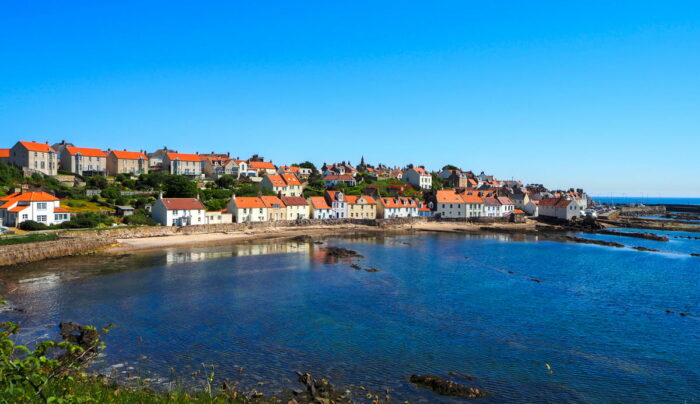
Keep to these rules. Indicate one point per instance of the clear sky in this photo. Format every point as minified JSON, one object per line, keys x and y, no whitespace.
{"x":602,"y":95}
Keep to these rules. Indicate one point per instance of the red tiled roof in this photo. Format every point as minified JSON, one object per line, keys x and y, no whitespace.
{"x":18,"y":208}
{"x":37,"y":147}
{"x":319,"y":202}
{"x":549,"y":201}
{"x":343,"y":177}
{"x":472,"y":197}
{"x":60,"y":210}
{"x":276,"y":180}
{"x":294,"y":201}
{"x":128,"y":155}
{"x":85,"y":151}
{"x":183,"y":204}
{"x":249,"y":202}
{"x":184,"y":157}
{"x":518,"y":212}
{"x":503,"y":200}
{"x":4,"y":153}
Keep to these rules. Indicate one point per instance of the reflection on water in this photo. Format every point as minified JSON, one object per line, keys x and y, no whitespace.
{"x":439,"y":304}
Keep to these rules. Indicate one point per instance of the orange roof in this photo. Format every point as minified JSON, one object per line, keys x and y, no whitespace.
{"x":85,"y":151}
{"x":472,"y":197}
{"x":37,"y":147}
{"x":518,"y":212}
{"x":4,"y":153}
{"x":18,"y":208}
{"x":60,"y":210}
{"x":270,"y":201}
{"x":420,"y":170}
{"x":399,"y":202}
{"x":183,"y":157}
{"x":128,"y":155}
{"x":249,"y":202}
{"x":261,"y":165}
{"x":448,"y":196}
{"x":9,"y":200}
{"x":291,"y":179}
{"x":276,"y":180}
{"x":319,"y":202}
{"x":289,"y":169}
{"x":352,"y":199}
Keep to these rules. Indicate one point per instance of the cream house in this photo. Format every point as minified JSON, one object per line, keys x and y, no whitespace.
{"x":183,"y":164}
{"x":276,"y":209}
{"x":126,"y":162}
{"x":218,"y":217}
{"x":282,"y":184}
{"x":297,"y":207}
{"x":418,"y":177}
{"x":34,"y":157}
{"x":361,"y":207}
{"x":84,"y":161}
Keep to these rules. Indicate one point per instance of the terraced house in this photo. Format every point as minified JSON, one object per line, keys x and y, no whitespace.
{"x":183,"y":164}
{"x":40,"y":207}
{"x":361,"y":207}
{"x":247,"y":209}
{"x":282,"y":184}
{"x":34,"y":157}
{"x":84,"y":161}
{"x":297,"y":207}
{"x":126,"y":162}
{"x":400,"y":206}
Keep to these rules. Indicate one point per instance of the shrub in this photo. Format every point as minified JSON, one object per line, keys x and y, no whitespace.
{"x":111,"y":193}
{"x":75,"y":204}
{"x":31,"y":225}
{"x":140,"y":219}
{"x":87,"y":220}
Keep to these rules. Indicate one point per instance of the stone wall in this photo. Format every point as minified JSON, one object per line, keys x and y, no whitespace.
{"x":29,"y":252}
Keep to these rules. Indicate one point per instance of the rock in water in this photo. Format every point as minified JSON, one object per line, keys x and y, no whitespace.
{"x":341,"y":252}
{"x":446,"y":387}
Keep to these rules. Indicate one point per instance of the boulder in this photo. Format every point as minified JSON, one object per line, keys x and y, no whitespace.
{"x":446,"y":387}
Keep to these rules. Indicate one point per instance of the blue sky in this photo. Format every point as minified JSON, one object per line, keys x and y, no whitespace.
{"x":591,"y":94}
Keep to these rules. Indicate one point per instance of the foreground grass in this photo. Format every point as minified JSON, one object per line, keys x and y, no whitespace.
{"x":29,"y":238}
{"x":101,"y":392}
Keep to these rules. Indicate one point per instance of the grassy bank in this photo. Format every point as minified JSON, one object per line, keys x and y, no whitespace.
{"x":29,"y":238}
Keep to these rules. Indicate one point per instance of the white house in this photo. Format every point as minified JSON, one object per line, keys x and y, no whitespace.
{"x":338,"y":204}
{"x":450,"y":204}
{"x":392,"y":207}
{"x":282,"y":184}
{"x":297,"y":207}
{"x":37,"y":206}
{"x":320,"y":209}
{"x":247,"y":209}
{"x":332,"y":180}
{"x":473,"y":204}
{"x":506,"y":206}
{"x":179,"y":212}
{"x":560,"y":208}
{"x":418,"y":177}
{"x":219,"y":217}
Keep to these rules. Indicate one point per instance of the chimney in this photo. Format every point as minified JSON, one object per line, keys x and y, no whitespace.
{"x":160,"y":195}
{"x":233,"y":197}
{"x":228,"y":154}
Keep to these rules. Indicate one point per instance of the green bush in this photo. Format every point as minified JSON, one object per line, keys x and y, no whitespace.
{"x":75,"y":204}
{"x":87,"y":220}
{"x":140,"y":219}
{"x":31,"y":225}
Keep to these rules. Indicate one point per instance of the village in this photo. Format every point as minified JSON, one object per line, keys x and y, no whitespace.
{"x":68,"y":186}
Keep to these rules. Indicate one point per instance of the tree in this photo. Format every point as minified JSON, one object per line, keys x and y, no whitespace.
{"x":450,"y":167}
{"x":97,"y":181}
{"x":9,"y":174}
{"x":178,"y":186}
{"x":111,"y":193}
{"x":225,"y":181}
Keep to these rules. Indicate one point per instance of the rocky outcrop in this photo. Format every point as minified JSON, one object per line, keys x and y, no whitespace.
{"x":644,"y":249}
{"x":446,"y":387}
{"x":647,"y":236}
{"x":590,"y":241}
{"x":340,"y":252}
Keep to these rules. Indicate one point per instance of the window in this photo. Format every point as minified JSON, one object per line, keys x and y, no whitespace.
{"x":41,"y":218}
{"x":41,"y":205}
{"x":25,"y":216}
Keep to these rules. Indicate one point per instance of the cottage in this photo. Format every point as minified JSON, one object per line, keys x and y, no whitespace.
{"x":276,"y":209}
{"x":178,"y":211}
{"x":338,"y":203}
{"x":262,"y":167}
{"x":34,"y":157}
{"x":126,"y":162}
{"x":506,"y":206}
{"x":394,"y":207}
{"x":473,"y":204}
{"x":40,"y":207}
{"x":219,"y":217}
{"x":247,"y":209}
{"x":84,"y":161}
{"x":361,"y":207}
{"x":332,"y":180}
{"x":297,"y":207}
{"x":189,"y":165}
{"x":418,"y":177}
{"x":561,"y":208}
{"x":282,"y":184}
{"x":320,"y":209}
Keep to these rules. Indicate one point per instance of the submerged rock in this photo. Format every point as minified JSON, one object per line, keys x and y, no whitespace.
{"x":644,"y":249}
{"x":86,"y":338}
{"x":648,"y":236}
{"x":590,"y":241}
{"x":355,"y":266}
{"x":371,"y":270}
{"x":340,"y":252}
{"x":446,"y":387}
{"x":303,"y":238}
{"x":694,"y":255}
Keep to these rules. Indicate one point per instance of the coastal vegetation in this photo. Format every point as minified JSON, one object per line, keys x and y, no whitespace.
{"x":28,"y":238}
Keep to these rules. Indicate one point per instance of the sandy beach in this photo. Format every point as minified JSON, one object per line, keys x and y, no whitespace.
{"x":181,"y":240}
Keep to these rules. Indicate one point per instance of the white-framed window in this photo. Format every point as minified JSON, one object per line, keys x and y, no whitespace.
{"x":41,"y":218}
{"x":41,"y":205}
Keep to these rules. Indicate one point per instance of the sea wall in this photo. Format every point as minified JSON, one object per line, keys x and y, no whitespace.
{"x":64,"y":247}
{"x":642,"y":210}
